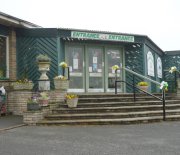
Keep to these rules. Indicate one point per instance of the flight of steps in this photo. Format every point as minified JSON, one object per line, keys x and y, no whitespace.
{"x":114,"y":109}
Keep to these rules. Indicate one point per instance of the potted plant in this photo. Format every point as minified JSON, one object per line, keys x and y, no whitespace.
{"x":32,"y":104}
{"x":22,"y":84}
{"x":71,"y":100}
{"x":43,"y":99}
{"x":143,"y":85}
{"x":61,"y":82}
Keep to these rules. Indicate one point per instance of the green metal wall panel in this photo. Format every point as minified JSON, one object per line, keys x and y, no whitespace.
{"x":134,"y":60}
{"x":4,"y":30}
{"x":153,"y":87}
{"x":27,"y":50}
{"x":169,"y":61}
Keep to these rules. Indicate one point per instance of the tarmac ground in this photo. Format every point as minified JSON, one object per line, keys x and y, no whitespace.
{"x":140,"y":139}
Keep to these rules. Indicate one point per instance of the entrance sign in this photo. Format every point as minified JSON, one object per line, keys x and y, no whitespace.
{"x":159,"y":67}
{"x":100,"y":36}
{"x":150,"y":64}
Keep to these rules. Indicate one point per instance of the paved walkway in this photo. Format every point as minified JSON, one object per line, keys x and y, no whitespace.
{"x":10,"y":121}
{"x":141,"y":139}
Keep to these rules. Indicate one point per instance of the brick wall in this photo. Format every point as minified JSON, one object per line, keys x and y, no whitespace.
{"x":32,"y":117}
{"x":17,"y":100}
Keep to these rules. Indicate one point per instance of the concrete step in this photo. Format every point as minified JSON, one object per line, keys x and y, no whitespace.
{"x":100,"y":95}
{"x":115,"y":109}
{"x":102,"y":121}
{"x":110,"y":115}
{"x":119,"y":99}
{"x":115,"y":104}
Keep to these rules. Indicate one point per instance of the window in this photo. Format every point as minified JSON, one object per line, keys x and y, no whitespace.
{"x":3,"y":57}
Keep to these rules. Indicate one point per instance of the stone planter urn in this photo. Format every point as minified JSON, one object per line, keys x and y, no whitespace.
{"x":43,"y":62}
{"x":43,"y":68}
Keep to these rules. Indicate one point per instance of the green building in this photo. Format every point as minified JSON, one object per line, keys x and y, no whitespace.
{"x":90,"y":56}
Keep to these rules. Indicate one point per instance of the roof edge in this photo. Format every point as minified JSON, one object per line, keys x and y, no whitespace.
{"x":18,"y":21}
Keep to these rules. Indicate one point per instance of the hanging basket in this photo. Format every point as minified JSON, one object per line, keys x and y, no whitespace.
{"x":61,"y":84}
{"x":72,"y":103}
{"x":22,"y":86}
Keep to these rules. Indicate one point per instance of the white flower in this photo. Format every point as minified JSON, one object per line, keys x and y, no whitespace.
{"x":173,"y":69}
{"x":163,"y":85}
{"x":61,"y":77}
{"x":63,"y":64}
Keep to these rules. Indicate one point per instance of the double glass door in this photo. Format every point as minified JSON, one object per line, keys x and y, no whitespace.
{"x":91,"y":68}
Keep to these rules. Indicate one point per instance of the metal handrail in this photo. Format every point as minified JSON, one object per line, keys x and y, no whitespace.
{"x":136,"y":88}
{"x":142,"y":76}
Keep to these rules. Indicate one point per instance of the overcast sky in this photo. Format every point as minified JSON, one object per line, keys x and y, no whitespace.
{"x":159,"y":19}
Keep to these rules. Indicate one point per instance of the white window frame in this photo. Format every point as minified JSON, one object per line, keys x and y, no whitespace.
{"x":150,"y":69}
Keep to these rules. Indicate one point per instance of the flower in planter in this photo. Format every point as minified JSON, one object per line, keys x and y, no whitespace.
{"x":44,"y":96}
{"x":71,"y":96}
{"x":71,"y":100}
{"x":63,"y":64}
{"x":32,"y":100}
{"x":44,"y":99}
{"x":173,"y":69}
{"x":24,"y":80}
{"x":61,"y":82}
{"x":60,"y":77}
{"x":115,"y":67}
{"x":22,"y":84}
{"x":142,"y":83}
{"x":164,"y":85}
{"x":42,"y":58}
{"x":32,"y":103}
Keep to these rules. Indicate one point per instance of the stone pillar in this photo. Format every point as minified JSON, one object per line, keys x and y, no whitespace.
{"x":12,"y":55}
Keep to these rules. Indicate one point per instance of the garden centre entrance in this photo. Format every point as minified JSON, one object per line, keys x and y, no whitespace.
{"x":91,"y":67}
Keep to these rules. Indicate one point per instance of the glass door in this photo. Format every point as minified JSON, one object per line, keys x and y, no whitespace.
{"x":75,"y":60}
{"x":95,"y":69}
{"x":113,"y":57}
